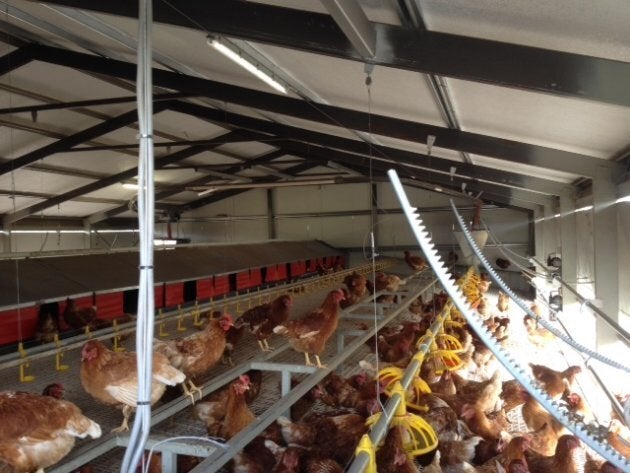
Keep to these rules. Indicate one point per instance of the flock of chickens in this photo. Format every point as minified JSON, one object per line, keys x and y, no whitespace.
{"x":468,"y":413}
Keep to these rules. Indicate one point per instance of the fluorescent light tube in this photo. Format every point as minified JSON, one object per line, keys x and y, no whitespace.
{"x":43,"y":232}
{"x":625,"y":198}
{"x":584,"y":209}
{"x":162,"y":242}
{"x":245,"y":64}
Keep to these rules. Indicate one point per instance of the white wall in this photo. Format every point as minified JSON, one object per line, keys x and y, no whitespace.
{"x":301,"y":214}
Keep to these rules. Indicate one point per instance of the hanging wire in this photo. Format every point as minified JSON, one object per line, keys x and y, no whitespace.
{"x":368,"y":84}
{"x":502,"y":249}
{"x":146,"y":206}
{"x":13,"y":200}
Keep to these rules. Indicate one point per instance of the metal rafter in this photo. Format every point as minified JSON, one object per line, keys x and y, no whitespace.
{"x":97,"y":217}
{"x":502,"y":194}
{"x":508,"y":150}
{"x":121,"y":176}
{"x":216,"y":197}
{"x":353,"y":146}
{"x":15,"y":59}
{"x":88,"y":103}
{"x":73,"y":140}
{"x":554,"y":72}
{"x":355,"y":25}
{"x":43,"y":195}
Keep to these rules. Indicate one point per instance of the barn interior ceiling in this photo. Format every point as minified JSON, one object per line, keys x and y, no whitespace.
{"x":517,"y":105}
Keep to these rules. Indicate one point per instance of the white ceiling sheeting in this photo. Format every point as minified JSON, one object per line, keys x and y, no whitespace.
{"x":536,"y":124}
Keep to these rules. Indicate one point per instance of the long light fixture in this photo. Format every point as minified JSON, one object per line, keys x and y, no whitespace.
{"x":586,"y":208}
{"x":202,"y":190}
{"x":44,"y":232}
{"x":625,"y":198}
{"x":238,"y":57}
{"x":164,"y":242}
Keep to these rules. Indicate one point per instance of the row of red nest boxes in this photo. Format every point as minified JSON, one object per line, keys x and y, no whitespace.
{"x":112,"y":305}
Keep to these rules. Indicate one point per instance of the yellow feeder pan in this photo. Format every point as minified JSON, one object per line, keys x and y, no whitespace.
{"x":452,"y":324}
{"x":419,"y":438}
{"x":456,"y":316}
{"x":448,"y":342}
{"x":445,"y":360}
{"x":440,"y":342}
{"x":392,"y":375}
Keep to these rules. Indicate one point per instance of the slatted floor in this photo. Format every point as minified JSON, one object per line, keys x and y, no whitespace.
{"x":185,"y":424}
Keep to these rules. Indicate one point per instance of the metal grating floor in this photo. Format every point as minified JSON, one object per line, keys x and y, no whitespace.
{"x":185,"y":424}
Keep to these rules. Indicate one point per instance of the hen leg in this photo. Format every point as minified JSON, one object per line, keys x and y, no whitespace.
{"x":308,"y":360}
{"x":226,"y":359}
{"x":191,"y":392}
{"x":124,"y":427}
{"x":319,"y":363}
{"x":268,"y":348}
{"x":263,"y":345}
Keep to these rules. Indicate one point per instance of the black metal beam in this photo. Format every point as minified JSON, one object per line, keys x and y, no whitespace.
{"x":508,"y":150}
{"x":195,"y":182}
{"x":165,"y":144}
{"x":68,"y":142}
{"x":475,"y":59}
{"x":121,"y":176}
{"x":422,"y":177}
{"x":502,"y":194}
{"x":224,"y":194}
{"x":16,"y":59}
{"x":481,"y":173}
{"x":89,"y":103}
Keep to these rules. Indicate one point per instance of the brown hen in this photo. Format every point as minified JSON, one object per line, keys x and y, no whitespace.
{"x":357,"y":289}
{"x":112,"y":377}
{"x":310,"y":333}
{"x":78,"y":318}
{"x":197,"y":353}
{"x":417,"y":263}
{"x":262,"y":319}
{"x":38,"y":431}
{"x":225,"y":419}
{"x":563,"y":461}
{"x":392,"y":457}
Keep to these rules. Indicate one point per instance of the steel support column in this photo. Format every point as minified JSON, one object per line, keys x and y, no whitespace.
{"x":271,"y":214}
{"x":552,"y":229}
{"x":568,"y":230}
{"x":606,"y":259}
{"x":5,"y":239}
{"x":539,"y":231}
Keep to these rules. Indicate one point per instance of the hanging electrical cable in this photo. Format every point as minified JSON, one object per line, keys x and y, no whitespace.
{"x":146,"y":205}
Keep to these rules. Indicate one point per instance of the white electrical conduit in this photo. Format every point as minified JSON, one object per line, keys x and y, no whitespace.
{"x":146,"y":205}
